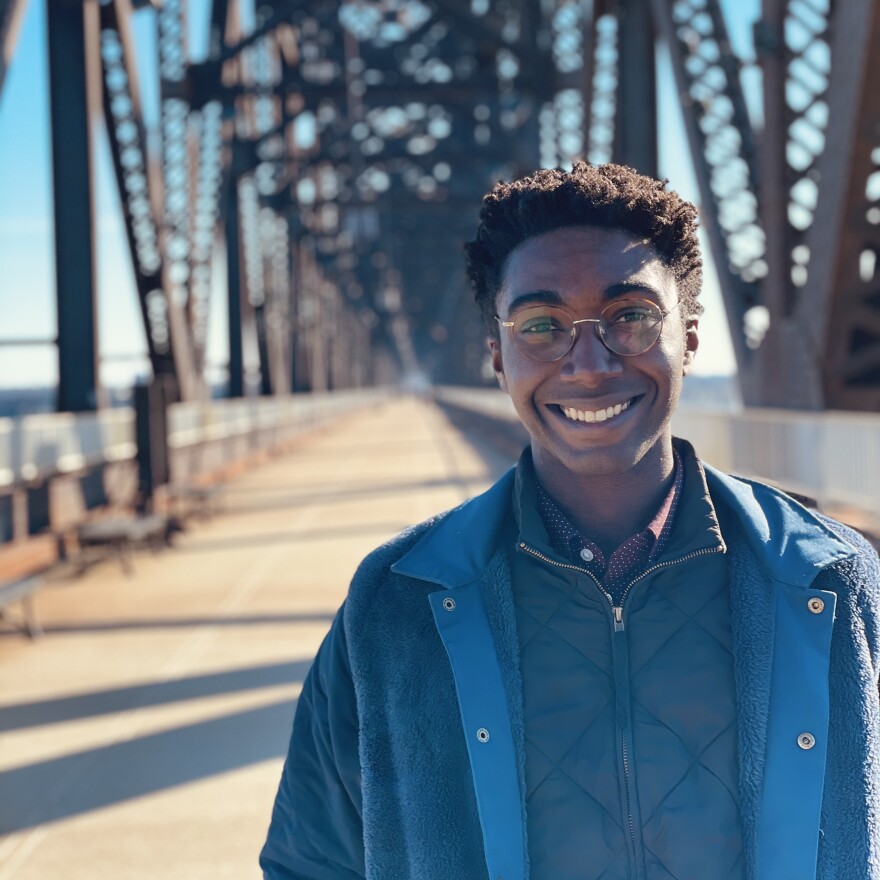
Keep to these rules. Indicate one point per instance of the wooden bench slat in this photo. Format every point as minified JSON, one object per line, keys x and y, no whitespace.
{"x":22,"y":559}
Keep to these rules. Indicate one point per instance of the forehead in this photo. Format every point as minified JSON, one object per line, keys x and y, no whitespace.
{"x":583,"y":260}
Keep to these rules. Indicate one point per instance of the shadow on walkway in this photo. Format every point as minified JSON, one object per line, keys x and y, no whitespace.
{"x":274,"y":500}
{"x":57,"y":789}
{"x":213,"y":545}
{"x":151,"y":623}
{"x":125,"y":699}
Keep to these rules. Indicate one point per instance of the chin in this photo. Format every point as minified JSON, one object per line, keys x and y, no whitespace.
{"x":616,"y":460}
{"x":599,"y":463}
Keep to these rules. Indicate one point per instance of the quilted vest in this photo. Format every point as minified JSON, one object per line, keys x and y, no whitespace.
{"x":630,"y":715}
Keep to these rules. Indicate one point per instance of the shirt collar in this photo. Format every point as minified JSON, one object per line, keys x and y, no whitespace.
{"x":567,"y":540}
{"x":688,"y":500}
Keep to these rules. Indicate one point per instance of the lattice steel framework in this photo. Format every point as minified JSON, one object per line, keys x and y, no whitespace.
{"x":340,"y":149}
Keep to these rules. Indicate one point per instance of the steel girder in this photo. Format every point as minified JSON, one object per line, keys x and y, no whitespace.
{"x":724,"y":155}
{"x":364,"y":101}
{"x":175,"y":213}
{"x":819,"y":184}
{"x":136,"y":181}
{"x":841,"y":308}
{"x":342,"y":148}
{"x":74,"y":83}
{"x":636,"y":119}
{"x":788,"y":211}
{"x":792,"y":44}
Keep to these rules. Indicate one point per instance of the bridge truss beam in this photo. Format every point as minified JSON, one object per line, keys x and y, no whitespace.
{"x":338,"y":152}
{"x":74,"y":84}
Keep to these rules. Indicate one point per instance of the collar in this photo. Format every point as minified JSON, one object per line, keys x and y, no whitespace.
{"x":569,"y":540}
{"x":789,"y":541}
{"x":695,"y":527}
{"x":458,"y":547}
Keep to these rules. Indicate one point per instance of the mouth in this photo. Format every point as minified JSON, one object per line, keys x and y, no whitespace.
{"x":603,"y":414}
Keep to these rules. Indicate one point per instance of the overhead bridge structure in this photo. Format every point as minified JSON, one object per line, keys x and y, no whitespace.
{"x":321,"y":164}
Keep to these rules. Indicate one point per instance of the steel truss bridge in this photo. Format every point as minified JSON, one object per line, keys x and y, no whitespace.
{"x":336,"y":152}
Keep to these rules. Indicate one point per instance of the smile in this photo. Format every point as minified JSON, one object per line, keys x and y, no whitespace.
{"x":599,"y":415}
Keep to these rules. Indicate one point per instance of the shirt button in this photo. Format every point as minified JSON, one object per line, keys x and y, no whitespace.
{"x":816,"y":605}
{"x":587,"y":554}
{"x":806,"y":741}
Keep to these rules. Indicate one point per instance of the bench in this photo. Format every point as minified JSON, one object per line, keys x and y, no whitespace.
{"x":22,"y":591}
{"x":119,"y":535}
{"x":188,"y":499}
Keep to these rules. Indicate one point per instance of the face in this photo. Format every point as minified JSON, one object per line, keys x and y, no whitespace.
{"x":628,"y":400}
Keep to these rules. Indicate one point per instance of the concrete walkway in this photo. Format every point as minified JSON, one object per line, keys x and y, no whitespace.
{"x":143,"y":736}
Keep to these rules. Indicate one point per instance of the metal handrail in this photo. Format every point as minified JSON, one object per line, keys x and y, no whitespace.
{"x":38,"y":447}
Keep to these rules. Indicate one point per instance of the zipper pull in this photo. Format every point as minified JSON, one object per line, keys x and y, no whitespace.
{"x":618,"y":619}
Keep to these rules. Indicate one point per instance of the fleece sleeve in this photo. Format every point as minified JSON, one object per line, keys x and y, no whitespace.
{"x":316,"y":832}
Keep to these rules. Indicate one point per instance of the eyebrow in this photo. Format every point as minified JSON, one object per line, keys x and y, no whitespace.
{"x":552,"y":298}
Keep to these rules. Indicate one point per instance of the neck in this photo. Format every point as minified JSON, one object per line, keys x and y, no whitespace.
{"x":609,"y":508}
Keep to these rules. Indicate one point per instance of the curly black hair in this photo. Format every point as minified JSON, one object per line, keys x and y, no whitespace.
{"x":608,"y":196}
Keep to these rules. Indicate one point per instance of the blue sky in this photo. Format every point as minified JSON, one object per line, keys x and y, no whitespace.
{"x":27,"y":308}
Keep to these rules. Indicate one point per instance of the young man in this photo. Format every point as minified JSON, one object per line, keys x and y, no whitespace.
{"x":616,"y":663}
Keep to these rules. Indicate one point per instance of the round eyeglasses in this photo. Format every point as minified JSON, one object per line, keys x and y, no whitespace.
{"x":625,"y":326}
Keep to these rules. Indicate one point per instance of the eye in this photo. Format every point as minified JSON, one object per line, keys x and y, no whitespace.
{"x":633,"y":313}
{"x":540,"y":324}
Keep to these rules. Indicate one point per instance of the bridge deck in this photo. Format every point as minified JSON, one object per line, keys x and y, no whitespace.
{"x":143,"y":736}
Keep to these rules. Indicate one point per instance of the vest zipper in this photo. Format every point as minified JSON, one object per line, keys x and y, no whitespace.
{"x":617,"y":615}
{"x":705,"y":551}
{"x":617,"y":610}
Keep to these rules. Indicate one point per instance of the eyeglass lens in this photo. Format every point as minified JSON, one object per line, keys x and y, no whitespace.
{"x":627,"y":327}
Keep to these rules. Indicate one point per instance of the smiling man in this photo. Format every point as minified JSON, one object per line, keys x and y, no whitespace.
{"x":617,"y":663}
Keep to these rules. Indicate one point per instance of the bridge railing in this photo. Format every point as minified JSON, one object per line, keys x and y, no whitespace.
{"x":54,"y":468}
{"x":833,"y":457}
{"x":41,"y":446}
{"x":203,"y":437}
{"x":37,"y":446}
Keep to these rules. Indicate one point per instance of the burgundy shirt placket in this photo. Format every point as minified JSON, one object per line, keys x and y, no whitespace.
{"x":631,"y":558}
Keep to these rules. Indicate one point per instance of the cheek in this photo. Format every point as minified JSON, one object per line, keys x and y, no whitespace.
{"x":667,"y":369}
{"x":674,"y":355}
{"x":521,"y":376}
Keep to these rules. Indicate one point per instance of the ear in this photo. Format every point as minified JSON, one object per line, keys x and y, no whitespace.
{"x":691,"y":344}
{"x":497,"y":366}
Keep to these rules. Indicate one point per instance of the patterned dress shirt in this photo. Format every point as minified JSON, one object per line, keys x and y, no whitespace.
{"x":631,"y":558}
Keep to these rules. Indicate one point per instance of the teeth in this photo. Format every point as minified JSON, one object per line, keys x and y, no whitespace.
{"x":599,"y":415}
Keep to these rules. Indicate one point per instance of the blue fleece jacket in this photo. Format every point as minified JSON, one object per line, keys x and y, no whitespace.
{"x":407,"y":756}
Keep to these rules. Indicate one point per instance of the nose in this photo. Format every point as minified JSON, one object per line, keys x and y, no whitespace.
{"x":589,"y":356}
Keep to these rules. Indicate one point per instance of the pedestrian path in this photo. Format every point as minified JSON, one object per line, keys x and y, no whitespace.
{"x":143,"y":736}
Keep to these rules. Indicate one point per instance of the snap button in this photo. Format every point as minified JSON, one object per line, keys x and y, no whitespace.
{"x":449,"y":604}
{"x":806,"y":741}
{"x":483,"y":735}
{"x":816,"y":605}
{"x":587,"y":555}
